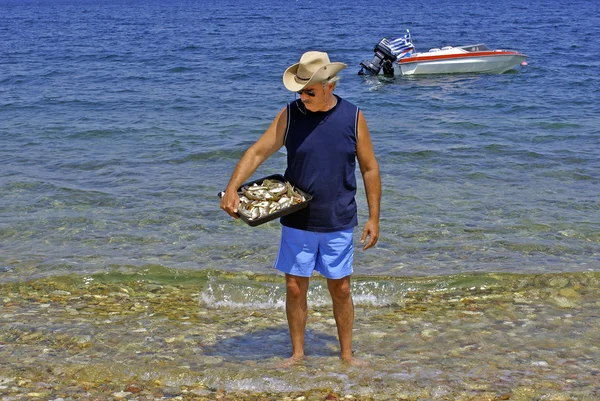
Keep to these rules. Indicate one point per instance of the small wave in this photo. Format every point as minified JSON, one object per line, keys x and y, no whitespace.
{"x":94,"y":133}
{"x":15,"y":80}
{"x":224,"y":290}
{"x":558,"y":125}
{"x":497,"y":148}
{"x":190,"y":48}
{"x":219,"y":289}
{"x":571,"y":175}
{"x":113,"y":57}
{"x":415,"y":155}
{"x":579,"y":66}
{"x":137,"y":78}
{"x":212,"y":155}
{"x":52,"y":73}
{"x":241,"y":291}
{"x":180,"y":69}
{"x":467,"y":124}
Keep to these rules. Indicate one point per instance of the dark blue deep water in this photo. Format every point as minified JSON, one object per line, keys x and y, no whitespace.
{"x":121,"y":120}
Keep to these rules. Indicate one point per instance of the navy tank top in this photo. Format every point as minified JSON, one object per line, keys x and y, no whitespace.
{"x":321,"y":159}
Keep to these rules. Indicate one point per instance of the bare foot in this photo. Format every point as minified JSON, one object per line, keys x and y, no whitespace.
{"x":356,"y":362}
{"x":293,"y":361}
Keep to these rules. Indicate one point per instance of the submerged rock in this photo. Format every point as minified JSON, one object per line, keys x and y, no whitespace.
{"x":563,"y":302}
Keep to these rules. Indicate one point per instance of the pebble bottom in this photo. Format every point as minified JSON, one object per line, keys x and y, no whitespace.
{"x":136,"y":338}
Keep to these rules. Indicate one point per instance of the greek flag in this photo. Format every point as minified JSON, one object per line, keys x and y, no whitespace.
{"x":401,"y":46}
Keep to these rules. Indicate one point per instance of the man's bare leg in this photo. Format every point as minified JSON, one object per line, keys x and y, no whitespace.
{"x":296,"y":311}
{"x":343,"y":312}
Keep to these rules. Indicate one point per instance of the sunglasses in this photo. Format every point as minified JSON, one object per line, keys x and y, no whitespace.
{"x":309,"y":92}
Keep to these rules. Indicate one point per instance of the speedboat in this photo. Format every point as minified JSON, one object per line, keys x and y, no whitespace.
{"x":397,"y":57}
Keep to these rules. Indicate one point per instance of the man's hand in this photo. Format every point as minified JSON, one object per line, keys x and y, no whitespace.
{"x":371,"y":231}
{"x":230,"y":202}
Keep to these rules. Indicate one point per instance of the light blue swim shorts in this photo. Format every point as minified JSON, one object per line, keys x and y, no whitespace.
{"x":301,"y":252}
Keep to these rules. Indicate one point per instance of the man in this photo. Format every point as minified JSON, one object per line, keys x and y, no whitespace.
{"x":324,"y":136}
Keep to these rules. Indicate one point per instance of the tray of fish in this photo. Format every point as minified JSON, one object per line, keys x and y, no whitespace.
{"x":269,"y":198}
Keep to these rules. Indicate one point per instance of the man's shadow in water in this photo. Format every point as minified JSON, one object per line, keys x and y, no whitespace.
{"x":271,"y":342}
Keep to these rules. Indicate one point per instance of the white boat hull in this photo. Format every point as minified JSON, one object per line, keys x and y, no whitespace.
{"x":495,"y":63}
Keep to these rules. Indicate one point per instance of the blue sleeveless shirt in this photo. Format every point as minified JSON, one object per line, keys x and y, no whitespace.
{"x":321,"y":160}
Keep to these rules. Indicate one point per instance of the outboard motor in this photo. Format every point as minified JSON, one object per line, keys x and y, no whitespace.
{"x":383,"y":58}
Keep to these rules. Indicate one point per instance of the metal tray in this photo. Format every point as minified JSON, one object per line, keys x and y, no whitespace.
{"x":279,"y":213}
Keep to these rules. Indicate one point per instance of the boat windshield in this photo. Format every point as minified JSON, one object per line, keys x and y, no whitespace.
{"x":476,"y":48}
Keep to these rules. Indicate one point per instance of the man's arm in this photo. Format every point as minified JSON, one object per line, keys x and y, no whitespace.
{"x":369,"y":168}
{"x":270,"y":142}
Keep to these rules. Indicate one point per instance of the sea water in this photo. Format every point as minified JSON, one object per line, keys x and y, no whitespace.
{"x":121,"y":121}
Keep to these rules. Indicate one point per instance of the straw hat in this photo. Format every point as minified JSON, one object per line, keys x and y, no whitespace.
{"x":313,"y":67}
